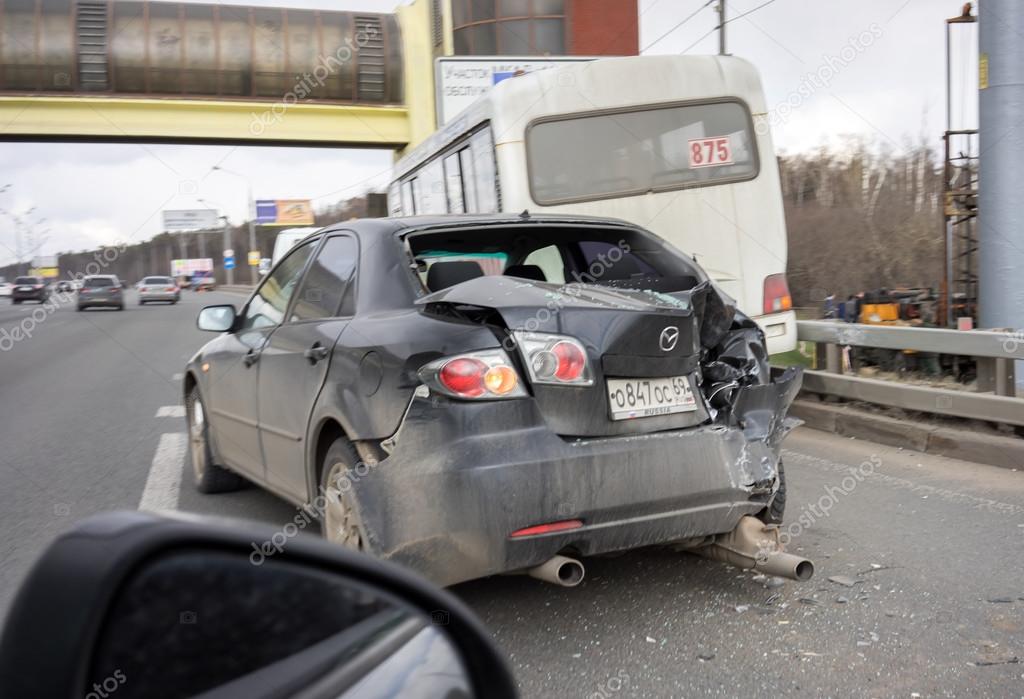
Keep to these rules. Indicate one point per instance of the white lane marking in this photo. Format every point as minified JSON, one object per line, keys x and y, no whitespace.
{"x":176,"y":377}
{"x":171,"y":411}
{"x":164,"y":481}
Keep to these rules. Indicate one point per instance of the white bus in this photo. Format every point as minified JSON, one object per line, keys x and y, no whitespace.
{"x":680,"y":145}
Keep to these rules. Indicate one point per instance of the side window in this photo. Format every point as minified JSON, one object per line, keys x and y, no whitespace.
{"x":429,"y":189}
{"x":453,"y":184}
{"x":408,"y":200}
{"x":327,"y":287}
{"x":549,"y":259}
{"x":483,"y":172}
{"x":395,"y":199}
{"x":267,"y":307}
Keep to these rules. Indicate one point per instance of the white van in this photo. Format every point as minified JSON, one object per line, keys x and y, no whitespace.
{"x":286,"y":240}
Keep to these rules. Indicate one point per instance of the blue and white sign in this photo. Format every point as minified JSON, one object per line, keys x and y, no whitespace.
{"x":229,"y":263}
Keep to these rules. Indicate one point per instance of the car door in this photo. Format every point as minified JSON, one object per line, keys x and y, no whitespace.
{"x":294,"y":361}
{"x":231,"y":391}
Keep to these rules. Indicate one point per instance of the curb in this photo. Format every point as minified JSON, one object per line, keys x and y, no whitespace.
{"x":991,"y":449}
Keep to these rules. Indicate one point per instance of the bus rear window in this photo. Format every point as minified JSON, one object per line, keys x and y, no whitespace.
{"x":622,"y":153}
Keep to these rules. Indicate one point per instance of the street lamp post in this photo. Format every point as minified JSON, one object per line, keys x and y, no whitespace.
{"x":229,"y":273}
{"x":252,"y":218}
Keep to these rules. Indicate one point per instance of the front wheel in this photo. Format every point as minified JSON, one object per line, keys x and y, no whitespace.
{"x":340,"y":523}
{"x":209,"y":477}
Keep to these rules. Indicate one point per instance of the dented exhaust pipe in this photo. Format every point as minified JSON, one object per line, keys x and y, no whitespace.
{"x":560,"y":570}
{"x":755,"y":545}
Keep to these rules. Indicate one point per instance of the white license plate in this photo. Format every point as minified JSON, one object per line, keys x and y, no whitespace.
{"x":24,"y":288}
{"x":629,"y":398}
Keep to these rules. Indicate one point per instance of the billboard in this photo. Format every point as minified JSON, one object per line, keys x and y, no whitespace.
{"x":189,"y":219}
{"x":459,"y":80}
{"x":284,"y":212}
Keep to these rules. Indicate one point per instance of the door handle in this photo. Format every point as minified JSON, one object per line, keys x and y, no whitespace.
{"x":315,"y":353}
{"x":250,"y":358}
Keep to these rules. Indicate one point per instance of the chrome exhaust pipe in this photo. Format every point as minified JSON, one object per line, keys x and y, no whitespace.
{"x":755,"y":545}
{"x":560,"y":570}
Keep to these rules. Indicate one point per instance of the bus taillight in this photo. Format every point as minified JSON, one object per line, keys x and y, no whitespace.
{"x":776,"y":294}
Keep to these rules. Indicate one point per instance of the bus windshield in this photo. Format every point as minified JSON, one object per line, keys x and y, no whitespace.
{"x":617,"y":153}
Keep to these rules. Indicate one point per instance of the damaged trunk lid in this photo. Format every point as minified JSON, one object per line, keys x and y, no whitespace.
{"x":644,"y":349}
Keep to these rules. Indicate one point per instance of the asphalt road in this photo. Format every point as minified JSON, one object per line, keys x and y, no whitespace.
{"x":932,"y":547}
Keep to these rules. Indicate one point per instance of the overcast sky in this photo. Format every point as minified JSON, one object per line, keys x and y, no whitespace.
{"x":884,"y":62}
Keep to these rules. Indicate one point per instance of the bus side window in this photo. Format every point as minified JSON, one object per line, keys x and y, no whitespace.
{"x":469,"y":181}
{"x":408,"y":201}
{"x":483,"y":171}
{"x":395,"y":199}
{"x":453,"y":184}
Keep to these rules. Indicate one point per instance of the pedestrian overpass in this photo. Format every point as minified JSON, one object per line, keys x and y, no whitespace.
{"x":132,"y":70}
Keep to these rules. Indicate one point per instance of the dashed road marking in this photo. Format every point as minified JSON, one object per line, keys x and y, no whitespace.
{"x":171,"y":411}
{"x":177,"y":377}
{"x":164,"y":481}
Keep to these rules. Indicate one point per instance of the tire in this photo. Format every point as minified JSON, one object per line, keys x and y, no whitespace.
{"x":16,"y":301}
{"x":121,"y":307}
{"x":209,"y":477}
{"x":81,"y":308}
{"x":777,"y":507}
{"x":141,"y":302}
{"x":340,"y":523}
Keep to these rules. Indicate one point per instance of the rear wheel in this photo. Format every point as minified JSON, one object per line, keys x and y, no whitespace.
{"x":340,"y":522}
{"x":209,"y":477}
{"x":777,"y":507}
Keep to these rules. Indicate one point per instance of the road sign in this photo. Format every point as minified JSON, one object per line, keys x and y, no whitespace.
{"x":460,"y":80}
{"x":189,"y":219}
{"x":228,"y":252}
{"x":254,"y":258}
{"x":229,"y":262}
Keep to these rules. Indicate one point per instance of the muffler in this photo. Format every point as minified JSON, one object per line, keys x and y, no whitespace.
{"x":560,"y":570}
{"x":754,"y":544}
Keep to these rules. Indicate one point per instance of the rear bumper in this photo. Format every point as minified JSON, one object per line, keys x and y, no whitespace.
{"x":29,"y":295}
{"x":89,"y":301}
{"x":158,"y":296}
{"x":463,"y":476}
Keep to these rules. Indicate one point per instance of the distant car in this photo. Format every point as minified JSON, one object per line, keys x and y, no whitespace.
{"x":5,"y":287}
{"x":158,"y":289}
{"x":29,"y":289}
{"x":101,"y":290}
{"x":63,"y":286}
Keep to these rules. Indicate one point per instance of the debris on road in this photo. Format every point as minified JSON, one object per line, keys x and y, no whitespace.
{"x":844,"y":580}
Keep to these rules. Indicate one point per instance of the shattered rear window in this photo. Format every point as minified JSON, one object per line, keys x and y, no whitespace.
{"x":559,"y":254}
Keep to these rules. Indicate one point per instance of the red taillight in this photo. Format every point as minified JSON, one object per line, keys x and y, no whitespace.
{"x":776,"y":294}
{"x":554,"y":359}
{"x":564,"y":525}
{"x":142,"y":288}
{"x":37,"y":286}
{"x":115,"y":289}
{"x":464,"y":376}
{"x":170,"y":288}
{"x":571,"y":361}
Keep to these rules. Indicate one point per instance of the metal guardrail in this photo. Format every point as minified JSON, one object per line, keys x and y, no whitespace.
{"x":995,"y":351}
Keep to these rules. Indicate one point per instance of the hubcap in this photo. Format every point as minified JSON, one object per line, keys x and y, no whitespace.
{"x":340,"y":522}
{"x":197,"y":438}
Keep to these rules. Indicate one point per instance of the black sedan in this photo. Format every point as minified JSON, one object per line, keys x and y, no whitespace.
{"x":29,"y":289}
{"x":477,"y":395}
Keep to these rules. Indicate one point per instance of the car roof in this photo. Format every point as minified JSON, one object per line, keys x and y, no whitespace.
{"x":408,"y":224}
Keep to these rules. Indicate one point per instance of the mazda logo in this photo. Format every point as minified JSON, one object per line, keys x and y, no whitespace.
{"x":669,"y":338}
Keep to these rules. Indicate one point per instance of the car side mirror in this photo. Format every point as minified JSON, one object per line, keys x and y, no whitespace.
{"x":217,"y":319}
{"x":186,"y":606}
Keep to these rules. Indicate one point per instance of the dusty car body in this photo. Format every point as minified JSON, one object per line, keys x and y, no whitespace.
{"x":498,"y":420}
